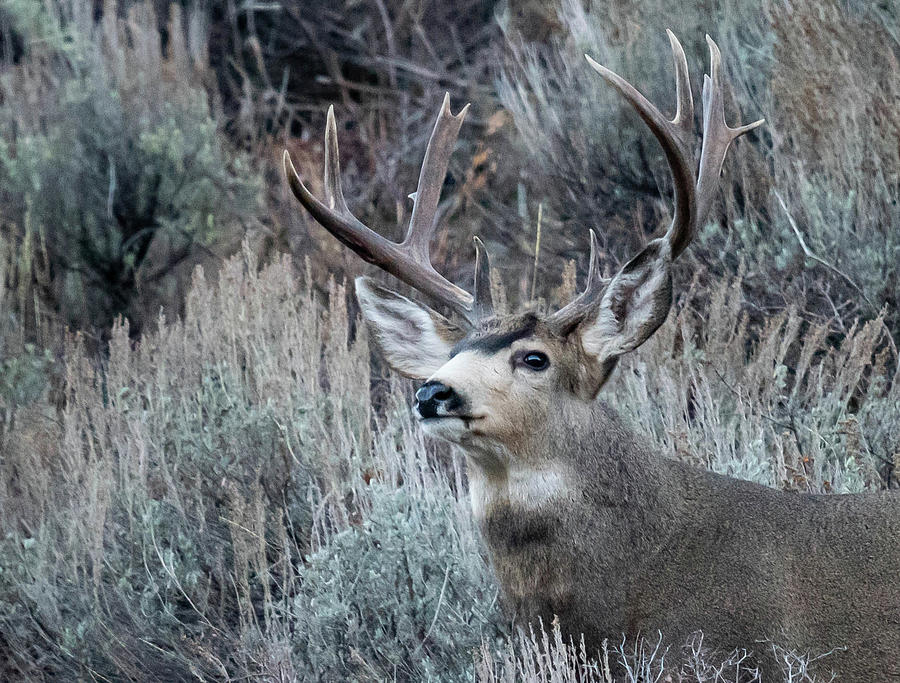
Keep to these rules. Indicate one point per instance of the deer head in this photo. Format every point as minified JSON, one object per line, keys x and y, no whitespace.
{"x":491,"y":380}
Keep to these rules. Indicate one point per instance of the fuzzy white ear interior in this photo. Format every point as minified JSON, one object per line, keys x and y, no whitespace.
{"x":634,"y":305}
{"x":414,"y":340}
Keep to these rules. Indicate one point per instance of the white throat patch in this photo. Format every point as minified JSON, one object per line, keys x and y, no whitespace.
{"x":521,"y":487}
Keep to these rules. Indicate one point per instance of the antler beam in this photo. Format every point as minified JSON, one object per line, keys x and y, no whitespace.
{"x":408,"y":261}
{"x":693,"y":194}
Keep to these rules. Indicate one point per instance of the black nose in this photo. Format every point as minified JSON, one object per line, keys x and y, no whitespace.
{"x":434,"y":399}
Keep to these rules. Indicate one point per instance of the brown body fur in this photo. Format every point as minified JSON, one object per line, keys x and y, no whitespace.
{"x":640,"y":543}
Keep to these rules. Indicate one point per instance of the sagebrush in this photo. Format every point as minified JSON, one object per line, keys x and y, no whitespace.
{"x":229,"y":490}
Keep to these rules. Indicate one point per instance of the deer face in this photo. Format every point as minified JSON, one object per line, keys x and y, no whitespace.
{"x":487,"y":389}
{"x":491,"y":387}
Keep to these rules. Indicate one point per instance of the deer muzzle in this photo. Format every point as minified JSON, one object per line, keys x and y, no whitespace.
{"x":435,"y":399}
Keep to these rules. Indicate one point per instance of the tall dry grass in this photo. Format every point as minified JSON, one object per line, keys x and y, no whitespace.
{"x":222,"y":497}
{"x":234,"y":493}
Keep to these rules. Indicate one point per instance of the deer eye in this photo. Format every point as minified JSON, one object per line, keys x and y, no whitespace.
{"x":536,"y":360}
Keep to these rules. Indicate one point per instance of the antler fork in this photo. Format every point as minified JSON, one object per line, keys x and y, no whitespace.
{"x":693,"y":193}
{"x":409,"y":260}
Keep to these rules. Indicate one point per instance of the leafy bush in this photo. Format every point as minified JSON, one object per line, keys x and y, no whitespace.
{"x":402,"y":595}
{"x":24,"y":379}
{"x":125,"y":174}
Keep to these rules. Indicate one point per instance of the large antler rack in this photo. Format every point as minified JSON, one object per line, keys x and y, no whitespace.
{"x":694,"y":192}
{"x":409,"y":260}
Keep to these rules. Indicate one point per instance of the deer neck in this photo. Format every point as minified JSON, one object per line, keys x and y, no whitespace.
{"x":587,"y":461}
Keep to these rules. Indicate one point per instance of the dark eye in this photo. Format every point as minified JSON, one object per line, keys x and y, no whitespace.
{"x":536,"y":360}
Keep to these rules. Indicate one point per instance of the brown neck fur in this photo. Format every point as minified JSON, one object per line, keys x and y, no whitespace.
{"x":631,"y":542}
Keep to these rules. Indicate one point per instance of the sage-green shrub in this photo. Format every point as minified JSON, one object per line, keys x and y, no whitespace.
{"x":124,"y":175}
{"x":405,"y":591}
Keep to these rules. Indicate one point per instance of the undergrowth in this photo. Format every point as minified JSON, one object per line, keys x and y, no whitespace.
{"x":228,"y":491}
{"x":222,"y":497}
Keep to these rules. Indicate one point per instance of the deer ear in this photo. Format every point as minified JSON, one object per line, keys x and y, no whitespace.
{"x":414,"y":340}
{"x":633,"y":306}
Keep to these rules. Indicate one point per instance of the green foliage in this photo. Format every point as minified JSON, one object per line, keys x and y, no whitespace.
{"x":123,"y":187}
{"x":34,"y":23}
{"x":403,"y":594}
{"x":24,"y":378}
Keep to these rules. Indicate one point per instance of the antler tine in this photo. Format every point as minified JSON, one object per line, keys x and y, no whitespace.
{"x":684,"y":100}
{"x":484,"y":301}
{"x":717,"y":135}
{"x":673,"y":136}
{"x":408,"y":261}
{"x":572,"y":313}
{"x":334,"y":192}
{"x":422,"y":223}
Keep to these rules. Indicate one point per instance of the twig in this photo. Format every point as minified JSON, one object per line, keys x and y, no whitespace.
{"x":819,"y":259}
{"x":419,"y":70}
{"x":740,"y":397}
{"x":389,"y":39}
{"x":111,"y":193}
{"x":537,"y":249}
{"x":437,"y":609}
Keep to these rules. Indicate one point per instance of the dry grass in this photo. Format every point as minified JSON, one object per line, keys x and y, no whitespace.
{"x":223,"y":497}
{"x":235,"y":493}
{"x":790,"y":408}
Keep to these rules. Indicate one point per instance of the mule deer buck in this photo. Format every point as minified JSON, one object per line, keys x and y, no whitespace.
{"x":582,"y":520}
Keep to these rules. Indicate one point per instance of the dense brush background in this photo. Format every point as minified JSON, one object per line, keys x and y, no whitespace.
{"x":204,"y":475}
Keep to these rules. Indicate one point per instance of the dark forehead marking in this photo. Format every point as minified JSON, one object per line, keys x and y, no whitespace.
{"x":493,"y":337}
